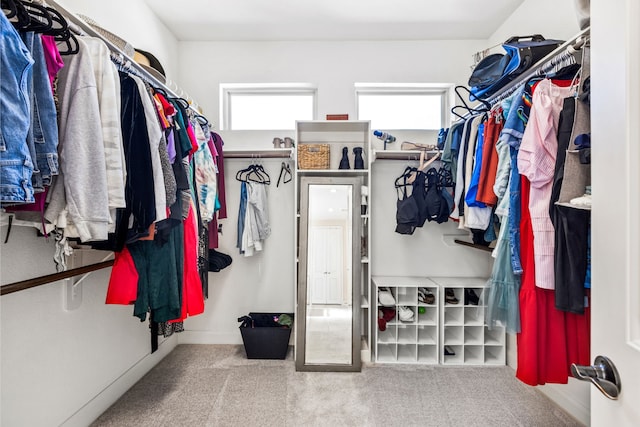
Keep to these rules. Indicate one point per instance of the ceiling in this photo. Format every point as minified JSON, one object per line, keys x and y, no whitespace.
{"x":225,"y":20}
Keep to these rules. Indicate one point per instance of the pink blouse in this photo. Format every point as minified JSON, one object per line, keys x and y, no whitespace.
{"x":536,"y":161}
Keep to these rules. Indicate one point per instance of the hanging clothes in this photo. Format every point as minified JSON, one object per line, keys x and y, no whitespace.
{"x":536,"y":160}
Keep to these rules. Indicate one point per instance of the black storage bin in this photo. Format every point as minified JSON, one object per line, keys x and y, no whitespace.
{"x":267,"y":339}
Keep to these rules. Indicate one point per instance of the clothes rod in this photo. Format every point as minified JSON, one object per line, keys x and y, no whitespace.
{"x":257,"y":155}
{"x":130,"y":62}
{"x":407,"y":155}
{"x":50,"y":278}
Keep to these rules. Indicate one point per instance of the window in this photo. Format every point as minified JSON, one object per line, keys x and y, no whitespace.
{"x":265,"y":106}
{"x":404,"y":106}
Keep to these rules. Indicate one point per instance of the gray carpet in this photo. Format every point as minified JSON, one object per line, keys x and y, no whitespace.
{"x":215,"y":385}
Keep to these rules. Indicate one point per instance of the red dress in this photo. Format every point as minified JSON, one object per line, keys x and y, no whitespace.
{"x":550,"y":339}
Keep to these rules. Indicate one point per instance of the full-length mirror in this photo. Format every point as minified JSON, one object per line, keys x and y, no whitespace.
{"x":329,"y":266}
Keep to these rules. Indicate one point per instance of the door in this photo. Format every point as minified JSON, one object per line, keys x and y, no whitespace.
{"x":326,"y":266}
{"x":615,"y":322}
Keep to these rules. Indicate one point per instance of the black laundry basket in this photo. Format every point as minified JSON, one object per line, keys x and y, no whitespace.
{"x":264,"y":338}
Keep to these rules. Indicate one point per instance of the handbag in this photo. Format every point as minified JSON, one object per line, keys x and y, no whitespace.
{"x":497,"y":70}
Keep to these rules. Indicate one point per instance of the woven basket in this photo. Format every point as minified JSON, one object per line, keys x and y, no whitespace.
{"x":313,"y":156}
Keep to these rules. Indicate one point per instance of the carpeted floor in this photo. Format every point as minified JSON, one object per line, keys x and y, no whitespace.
{"x":215,"y":385}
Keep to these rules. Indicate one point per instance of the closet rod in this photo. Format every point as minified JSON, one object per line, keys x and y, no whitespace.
{"x":406,"y":155}
{"x":50,"y":278}
{"x":257,"y":155}
{"x":115,"y":49}
{"x":536,"y":68}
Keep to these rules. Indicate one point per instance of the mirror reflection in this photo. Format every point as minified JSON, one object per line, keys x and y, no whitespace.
{"x":329,"y":275}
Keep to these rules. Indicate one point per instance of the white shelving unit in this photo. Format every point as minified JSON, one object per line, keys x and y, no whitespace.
{"x":339,"y":134}
{"x":462,"y":325}
{"x":415,"y":341}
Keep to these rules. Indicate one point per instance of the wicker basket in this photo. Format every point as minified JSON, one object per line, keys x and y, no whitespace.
{"x":313,"y":156}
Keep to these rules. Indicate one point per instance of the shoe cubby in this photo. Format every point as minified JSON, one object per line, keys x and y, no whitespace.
{"x":427,"y":335}
{"x":427,"y":315}
{"x":494,"y":355}
{"x":474,"y":354}
{"x":462,"y":325}
{"x":407,"y":334}
{"x":453,"y":316}
{"x":473,"y":316}
{"x":450,"y":331}
{"x":428,"y":354}
{"x":415,"y":322}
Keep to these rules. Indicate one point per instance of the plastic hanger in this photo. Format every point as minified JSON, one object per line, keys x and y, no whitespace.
{"x":285,"y":170}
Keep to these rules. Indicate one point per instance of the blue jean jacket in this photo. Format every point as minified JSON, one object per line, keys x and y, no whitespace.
{"x":16,"y":166}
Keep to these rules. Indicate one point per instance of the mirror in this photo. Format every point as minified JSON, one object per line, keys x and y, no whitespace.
{"x":328,"y":332}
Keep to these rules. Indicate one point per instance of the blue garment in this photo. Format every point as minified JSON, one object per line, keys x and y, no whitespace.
{"x":472,"y":193}
{"x":514,"y":213}
{"x":16,"y":163}
{"x":43,"y":135}
{"x":587,"y":279}
{"x":503,"y":301}
{"x":241,"y":214}
{"x":513,"y":132}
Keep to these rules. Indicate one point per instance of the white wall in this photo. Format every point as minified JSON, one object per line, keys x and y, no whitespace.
{"x":133,"y":21}
{"x":333,"y":66}
{"x":62,"y":367}
{"x":266,"y":282}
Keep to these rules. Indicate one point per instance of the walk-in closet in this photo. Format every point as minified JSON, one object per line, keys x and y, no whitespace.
{"x":338,"y":213}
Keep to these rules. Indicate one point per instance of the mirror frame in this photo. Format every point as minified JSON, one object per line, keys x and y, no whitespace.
{"x":302,"y":285}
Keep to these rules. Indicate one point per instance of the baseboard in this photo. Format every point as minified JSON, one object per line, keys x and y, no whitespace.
{"x":107,"y":397}
{"x":206,"y":337}
{"x":564,"y":395}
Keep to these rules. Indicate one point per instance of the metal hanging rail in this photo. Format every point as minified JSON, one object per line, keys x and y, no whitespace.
{"x":50,"y":278}
{"x":275,"y":153}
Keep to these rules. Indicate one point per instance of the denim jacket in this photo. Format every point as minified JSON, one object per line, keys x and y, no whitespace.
{"x":16,"y":164}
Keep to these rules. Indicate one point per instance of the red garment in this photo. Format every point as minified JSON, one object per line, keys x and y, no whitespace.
{"x":550,"y":340}
{"x":192,"y":137}
{"x":123,"y":283}
{"x":192,"y":295}
{"x":489,"y":167}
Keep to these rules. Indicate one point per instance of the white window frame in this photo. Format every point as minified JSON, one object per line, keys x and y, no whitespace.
{"x":227,"y":90}
{"x":444,"y":90}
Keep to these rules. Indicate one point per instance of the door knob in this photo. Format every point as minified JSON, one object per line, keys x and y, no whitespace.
{"x":603,"y":374}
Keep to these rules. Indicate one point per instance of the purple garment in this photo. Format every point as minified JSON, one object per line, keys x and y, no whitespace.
{"x":171,"y":147}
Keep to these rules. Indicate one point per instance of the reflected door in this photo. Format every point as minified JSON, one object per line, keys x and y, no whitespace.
{"x":326,"y":259}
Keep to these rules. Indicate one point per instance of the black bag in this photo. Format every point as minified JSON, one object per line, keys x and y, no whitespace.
{"x":496,"y":70}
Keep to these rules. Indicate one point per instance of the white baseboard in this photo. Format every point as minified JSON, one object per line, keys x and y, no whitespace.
{"x":565,"y":396}
{"x":206,"y":337}
{"x":107,"y":397}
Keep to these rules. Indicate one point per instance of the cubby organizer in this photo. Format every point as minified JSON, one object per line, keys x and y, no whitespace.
{"x":465,"y":338}
{"x":407,"y":341}
{"x":442,"y":332}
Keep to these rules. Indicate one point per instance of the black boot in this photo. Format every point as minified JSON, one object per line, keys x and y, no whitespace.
{"x":344,"y":162}
{"x":358,"y":162}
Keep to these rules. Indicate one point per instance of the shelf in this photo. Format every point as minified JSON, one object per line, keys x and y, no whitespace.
{"x":387,"y":336}
{"x":473,"y":245}
{"x":279,"y":153}
{"x":401,"y":154}
{"x":386,"y":353}
{"x":343,"y":172}
{"x":428,"y":335}
{"x":365,"y":302}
